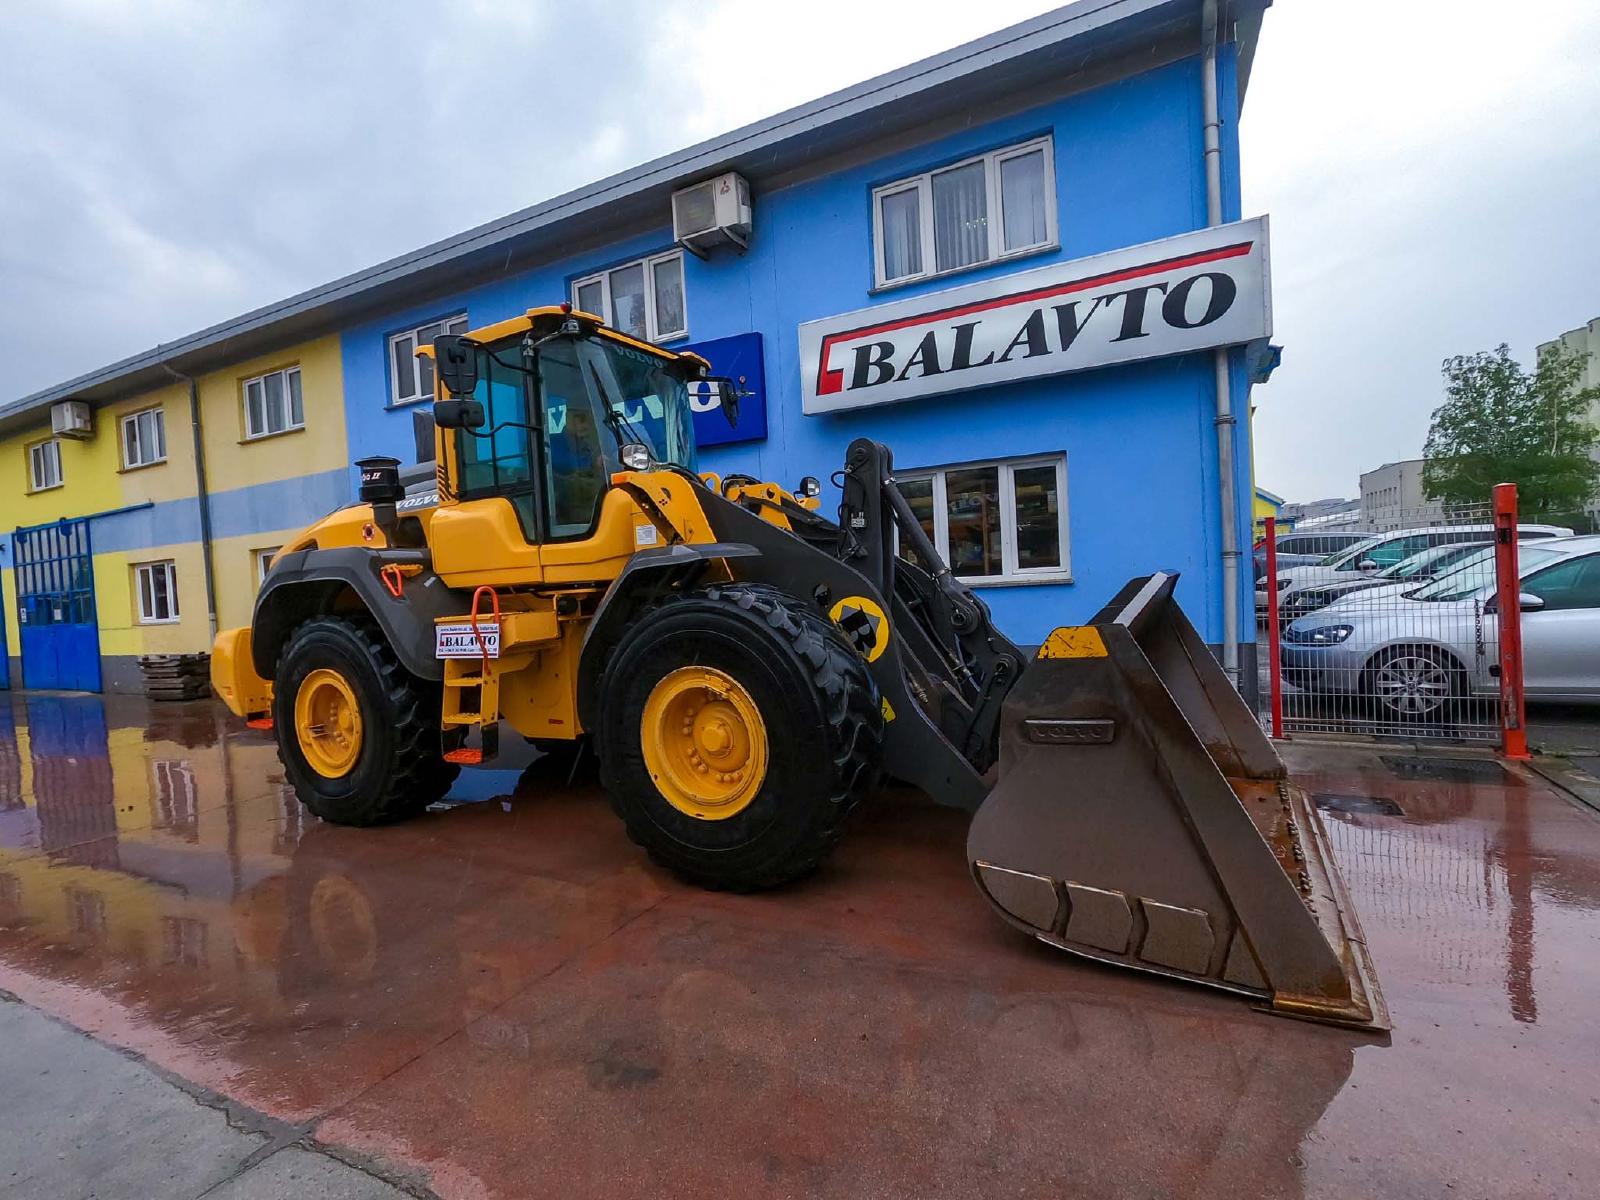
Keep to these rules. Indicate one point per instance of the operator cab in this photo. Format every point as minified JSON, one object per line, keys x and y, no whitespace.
{"x":542,"y":411}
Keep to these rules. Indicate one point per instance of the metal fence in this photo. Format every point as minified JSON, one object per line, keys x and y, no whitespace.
{"x":1395,"y":635}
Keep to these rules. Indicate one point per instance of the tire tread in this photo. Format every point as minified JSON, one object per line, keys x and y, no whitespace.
{"x":849,"y":700}
{"x":418,"y":775}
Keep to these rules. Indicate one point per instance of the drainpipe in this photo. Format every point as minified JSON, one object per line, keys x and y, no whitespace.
{"x":1224,"y":421}
{"x":203,"y":495}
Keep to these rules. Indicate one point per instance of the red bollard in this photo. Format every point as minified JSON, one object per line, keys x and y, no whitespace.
{"x":1274,"y":649}
{"x":1508,"y":601}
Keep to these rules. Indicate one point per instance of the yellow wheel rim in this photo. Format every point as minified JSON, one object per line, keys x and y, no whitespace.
{"x":705,"y":744}
{"x":327,"y":720}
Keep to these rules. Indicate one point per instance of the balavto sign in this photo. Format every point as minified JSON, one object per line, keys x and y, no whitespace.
{"x":1190,"y":292}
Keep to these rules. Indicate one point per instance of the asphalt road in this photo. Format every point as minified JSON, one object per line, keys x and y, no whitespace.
{"x":1568,"y":729}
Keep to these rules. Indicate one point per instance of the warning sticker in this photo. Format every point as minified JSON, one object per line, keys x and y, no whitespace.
{"x":457,"y":640}
{"x":864,"y":624}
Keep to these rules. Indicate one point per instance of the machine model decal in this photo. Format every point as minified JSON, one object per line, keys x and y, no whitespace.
{"x":1195,"y":291}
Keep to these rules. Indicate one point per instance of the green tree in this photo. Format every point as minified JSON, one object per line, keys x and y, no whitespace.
{"x":1500,"y":424}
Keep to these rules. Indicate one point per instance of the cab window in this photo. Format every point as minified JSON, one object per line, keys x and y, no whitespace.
{"x":574,"y":444}
{"x":498,"y":458}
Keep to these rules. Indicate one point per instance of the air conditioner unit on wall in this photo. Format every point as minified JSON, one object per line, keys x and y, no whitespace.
{"x":71,"y":418}
{"x":712,"y":212}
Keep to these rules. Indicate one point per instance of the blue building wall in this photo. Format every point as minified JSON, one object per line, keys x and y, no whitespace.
{"x":1140,"y":441}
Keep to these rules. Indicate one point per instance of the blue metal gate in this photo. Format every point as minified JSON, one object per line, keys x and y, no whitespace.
{"x":55,"y":606}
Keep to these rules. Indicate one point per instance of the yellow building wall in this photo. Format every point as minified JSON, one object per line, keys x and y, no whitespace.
{"x":115,"y":584}
{"x":233,"y":461}
{"x":8,"y":598}
{"x":234,"y":559}
{"x":1263,"y":508}
{"x":95,"y":481}
{"x":93,"y":478}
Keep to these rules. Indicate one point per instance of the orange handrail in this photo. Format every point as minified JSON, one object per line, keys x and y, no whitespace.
{"x":483,"y":646}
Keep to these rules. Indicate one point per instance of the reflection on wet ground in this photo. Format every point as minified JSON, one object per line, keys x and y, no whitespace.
{"x":507,"y":996}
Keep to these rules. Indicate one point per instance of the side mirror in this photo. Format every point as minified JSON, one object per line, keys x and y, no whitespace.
{"x":727,"y":393}
{"x":455,"y":358}
{"x":1366,"y":566}
{"x":1526,"y":601}
{"x":458,"y":414}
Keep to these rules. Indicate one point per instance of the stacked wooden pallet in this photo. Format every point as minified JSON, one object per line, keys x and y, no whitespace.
{"x":176,"y":676}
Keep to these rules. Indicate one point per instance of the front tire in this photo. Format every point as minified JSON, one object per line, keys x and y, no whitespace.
{"x":737,"y":732}
{"x":357,"y":733}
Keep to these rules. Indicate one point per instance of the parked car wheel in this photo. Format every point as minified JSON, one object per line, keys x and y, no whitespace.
{"x":1414,"y":683}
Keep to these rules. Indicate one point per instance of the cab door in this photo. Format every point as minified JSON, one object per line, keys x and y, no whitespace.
{"x":491,"y":534}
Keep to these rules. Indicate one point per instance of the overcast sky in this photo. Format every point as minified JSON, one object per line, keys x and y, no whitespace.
{"x":1434,"y":186}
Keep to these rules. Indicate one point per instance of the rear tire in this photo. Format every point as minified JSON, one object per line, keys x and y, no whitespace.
{"x":819,"y":732}
{"x":391,"y":766}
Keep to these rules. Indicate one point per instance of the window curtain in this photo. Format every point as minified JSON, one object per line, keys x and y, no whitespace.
{"x":902,"y":235}
{"x":1022,"y":200}
{"x":960,"y":217}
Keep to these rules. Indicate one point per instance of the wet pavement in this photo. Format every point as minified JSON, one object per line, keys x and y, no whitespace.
{"x":504,"y":999}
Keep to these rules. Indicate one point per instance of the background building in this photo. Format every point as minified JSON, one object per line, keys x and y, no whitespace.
{"x":1585,"y":341}
{"x":1268,"y":504}
{"x":1331,"y":513}
{"x":1392,"y":498}
{"x":1044,"y":188}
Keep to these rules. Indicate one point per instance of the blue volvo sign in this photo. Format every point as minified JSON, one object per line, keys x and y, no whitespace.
{"x":739,"y":358}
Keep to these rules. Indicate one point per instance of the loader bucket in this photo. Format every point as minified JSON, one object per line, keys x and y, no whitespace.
{"x":1143,"y":818}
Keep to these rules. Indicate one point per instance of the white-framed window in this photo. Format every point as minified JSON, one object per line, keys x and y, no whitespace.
{"x":410,"y":377}
{"x":44,"y":465}
{"x":995,"y":522}
{"x":155,"y":585}
{"x":144,"y":438}
{"x":264,"y":559}
{"x":272,"y":403}
{"x":643,"y":298}
{"x":989,"y":207}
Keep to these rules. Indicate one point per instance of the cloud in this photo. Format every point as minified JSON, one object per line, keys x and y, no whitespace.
{"x":1432,"y":184}
{"x":177,"y":163}
{"x":1432,"y":181}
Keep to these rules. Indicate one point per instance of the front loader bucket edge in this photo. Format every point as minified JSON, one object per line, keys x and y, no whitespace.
{"x":1143,"y":818}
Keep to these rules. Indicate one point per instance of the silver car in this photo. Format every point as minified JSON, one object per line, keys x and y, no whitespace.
{"x":1384,"y":550}
{"x":1403,"y":576}
{"x":1416,"y":651}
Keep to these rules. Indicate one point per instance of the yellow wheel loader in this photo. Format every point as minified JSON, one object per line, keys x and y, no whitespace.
{"x":745,"y":668}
